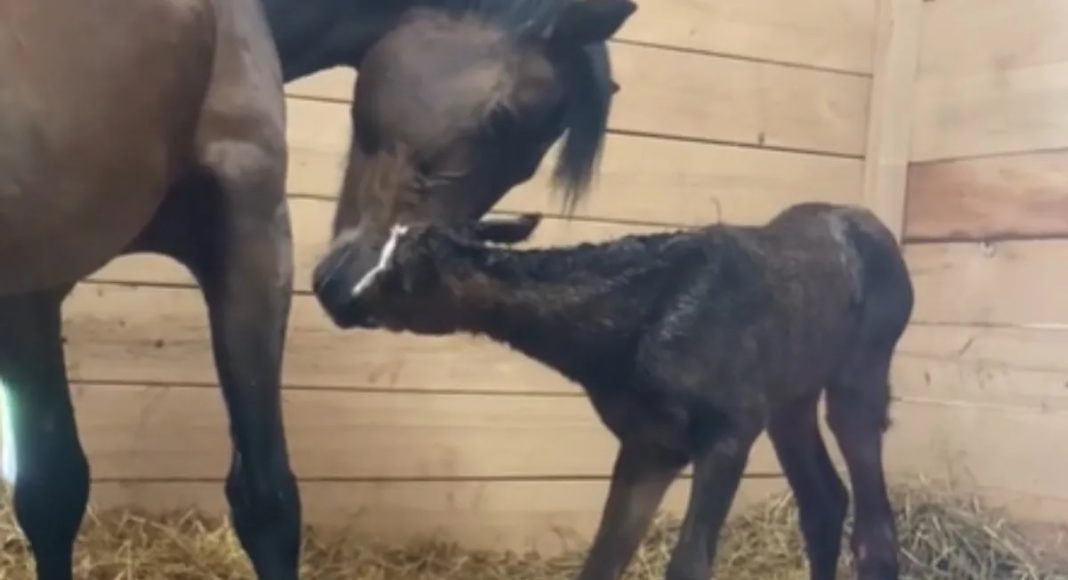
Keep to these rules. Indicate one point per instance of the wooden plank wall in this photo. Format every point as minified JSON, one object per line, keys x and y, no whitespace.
{"x":986,"y":233}
{"x":730,"y":110}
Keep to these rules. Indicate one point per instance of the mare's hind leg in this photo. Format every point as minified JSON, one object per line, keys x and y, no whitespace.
{"x":821,"y":497}
{"x":52,"y":475}
{"x":639,"y":480}
{"x":857,"y":406}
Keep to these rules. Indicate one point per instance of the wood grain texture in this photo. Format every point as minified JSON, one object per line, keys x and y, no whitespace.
{"x":641,"y":179}
{"x":121,"y":333}
{"x":545,"y":516}
{"x":1012,"y":283}
{"x":829,"y":34}
{"x":993,"y":366}
{"x":1041,"y":349}
{"x":991,"y":113}
{"x":172,"y":432}
{"x":995,"y":386}
{"x":1010,"y":196}
{"x":981,"y":447}
{"x":993,"y":79}
{"x":698,"y":96}
{"x":962,"y":37}
{"x":832,"y":34}
{"x":889,"y":115}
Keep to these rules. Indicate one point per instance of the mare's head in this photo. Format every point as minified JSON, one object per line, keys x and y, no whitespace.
{"x":455,"y":106}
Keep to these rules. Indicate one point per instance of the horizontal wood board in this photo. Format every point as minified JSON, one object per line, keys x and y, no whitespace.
{"x":702,"y":97}
{"x":992,"y":79}
{"x":177,"y":432}
{"x":978,"y":446}
{"x":831,"y":34}
{"x":641,"y":179}
{"x":1002,"y":197}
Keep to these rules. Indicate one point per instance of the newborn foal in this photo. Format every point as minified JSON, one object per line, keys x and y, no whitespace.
{"x":689,"y":344}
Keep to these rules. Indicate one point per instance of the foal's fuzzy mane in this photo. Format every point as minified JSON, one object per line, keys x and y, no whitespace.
{"x":588,"y":75}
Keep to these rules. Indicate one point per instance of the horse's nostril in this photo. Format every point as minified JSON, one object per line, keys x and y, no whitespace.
{"x":328,"y":269}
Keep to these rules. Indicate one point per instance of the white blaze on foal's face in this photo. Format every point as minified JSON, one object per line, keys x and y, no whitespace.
{"x":383,"y":260}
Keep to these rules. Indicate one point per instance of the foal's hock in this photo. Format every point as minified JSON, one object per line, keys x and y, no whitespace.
{"x":689,"y":345}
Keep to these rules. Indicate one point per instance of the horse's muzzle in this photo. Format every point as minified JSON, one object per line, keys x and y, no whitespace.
{"x":333,"y":282}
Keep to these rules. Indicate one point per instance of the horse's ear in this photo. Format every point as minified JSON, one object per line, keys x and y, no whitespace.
{"x":586,"y":22}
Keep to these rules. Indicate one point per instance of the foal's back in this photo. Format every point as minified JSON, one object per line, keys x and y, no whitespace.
{"x":98,"y":106}
{"x":779,"y":309}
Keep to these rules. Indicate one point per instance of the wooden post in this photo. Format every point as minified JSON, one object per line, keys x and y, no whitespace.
{"x":897,"y":39}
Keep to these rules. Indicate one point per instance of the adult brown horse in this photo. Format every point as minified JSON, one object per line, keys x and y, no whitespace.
{"x":129,"y":126}
{"x":169,"y":138}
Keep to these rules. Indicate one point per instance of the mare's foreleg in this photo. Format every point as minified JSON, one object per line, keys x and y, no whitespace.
{"x":244,"y":266}
{"x":51,"y":471}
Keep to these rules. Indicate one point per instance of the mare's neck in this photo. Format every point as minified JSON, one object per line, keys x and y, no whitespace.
{"x":314,"y":35}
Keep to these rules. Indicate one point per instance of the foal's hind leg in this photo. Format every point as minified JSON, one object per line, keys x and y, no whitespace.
{"x":857,"y":404}
{"x":821,"y":497}
{"x":52,"y":480}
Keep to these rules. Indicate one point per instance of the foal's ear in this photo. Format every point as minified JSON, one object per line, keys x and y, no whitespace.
{"x":590,"y":21}
{"x":511,"y":230}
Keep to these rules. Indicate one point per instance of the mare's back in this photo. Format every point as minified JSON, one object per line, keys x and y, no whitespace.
{"x":98,"y":105}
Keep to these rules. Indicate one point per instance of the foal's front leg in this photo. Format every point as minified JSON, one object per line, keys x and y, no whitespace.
{"x":717,"y":474}
{"x":52,"y":479}
{"x":639,"y":480}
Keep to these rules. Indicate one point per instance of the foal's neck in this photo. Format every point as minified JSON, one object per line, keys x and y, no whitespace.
{"x":575,"y":307}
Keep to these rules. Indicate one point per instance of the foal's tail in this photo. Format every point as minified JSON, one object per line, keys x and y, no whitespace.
{"x":886,"y":292}
{"x":883,"y":307}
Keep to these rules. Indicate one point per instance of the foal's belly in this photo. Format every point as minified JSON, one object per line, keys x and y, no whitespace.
{"x":645,"y":421}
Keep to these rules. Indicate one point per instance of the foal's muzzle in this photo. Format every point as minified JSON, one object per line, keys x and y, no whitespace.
{"x":334,"y":281}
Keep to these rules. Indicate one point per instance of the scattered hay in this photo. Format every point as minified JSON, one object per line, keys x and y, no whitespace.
{"x":953,"y":539}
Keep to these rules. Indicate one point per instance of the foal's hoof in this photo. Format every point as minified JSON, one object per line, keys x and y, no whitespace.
{"x":874,"y":570}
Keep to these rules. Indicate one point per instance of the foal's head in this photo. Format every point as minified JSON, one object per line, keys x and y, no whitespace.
{"x":457,"y":105}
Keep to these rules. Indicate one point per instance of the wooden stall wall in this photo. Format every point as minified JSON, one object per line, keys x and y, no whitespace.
{"x":730,"y":110}
{"x":983,"y":372}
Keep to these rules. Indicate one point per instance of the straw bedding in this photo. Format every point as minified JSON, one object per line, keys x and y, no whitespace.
{"x":942,"y":538}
